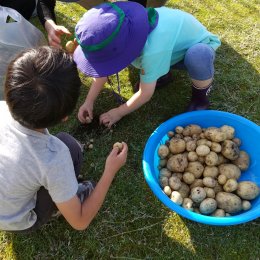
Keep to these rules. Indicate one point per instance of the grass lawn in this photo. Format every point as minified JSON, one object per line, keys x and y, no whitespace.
{"x":133,"y":224}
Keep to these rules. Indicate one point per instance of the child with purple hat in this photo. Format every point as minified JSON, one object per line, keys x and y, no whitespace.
{"x":112,"y":36}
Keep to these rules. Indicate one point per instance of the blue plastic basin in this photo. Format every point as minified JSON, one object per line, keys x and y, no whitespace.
{"x":246,"y":130}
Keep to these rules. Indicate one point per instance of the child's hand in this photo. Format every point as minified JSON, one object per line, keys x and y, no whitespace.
{"x":116,"y":159}
{"x":111,"y":117}
{"x":85,"y":113}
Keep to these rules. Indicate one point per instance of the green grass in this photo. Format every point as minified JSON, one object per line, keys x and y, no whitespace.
{"x":132,"y":223}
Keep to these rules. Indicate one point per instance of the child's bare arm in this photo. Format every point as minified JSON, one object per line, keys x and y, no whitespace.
{"x":144,"y":94}
{"x":86,"y":109}
{"x":80,"y":215}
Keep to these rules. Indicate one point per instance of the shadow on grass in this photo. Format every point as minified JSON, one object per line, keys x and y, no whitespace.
{"x":132,"y":223}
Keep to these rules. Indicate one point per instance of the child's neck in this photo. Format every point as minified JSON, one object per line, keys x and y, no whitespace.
{"x":42,"y":130}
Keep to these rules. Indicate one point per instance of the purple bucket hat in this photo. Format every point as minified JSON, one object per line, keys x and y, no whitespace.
{"x":110,"y":37}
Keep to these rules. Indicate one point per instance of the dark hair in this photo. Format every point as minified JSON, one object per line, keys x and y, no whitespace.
{"x":42,"y":87}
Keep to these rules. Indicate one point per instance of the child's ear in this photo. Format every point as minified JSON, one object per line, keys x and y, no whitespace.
{"x":65,"y":119}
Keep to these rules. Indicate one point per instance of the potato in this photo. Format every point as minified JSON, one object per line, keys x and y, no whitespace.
{"x":221,"y":159}
{"x":118,"y":145}
{"x":210,"y":193}
{"x":164,"y":172}
{"x":188,"y":178}
{"x":231,"y":171}
{"x":210,"y":171}
{"x":208,"y":206}
{"x":215,"y":134}
{"x":170,"y":134}
{"x":222,"y":179}
{"x":246,"y":205}
{"x":70,"y":46}
{"x":187,"y":139}
{"x":229,"y":130}
{"x":198,"y":194}
{"x":201,"y":159}
{"x":177,"y":145}
{"x":229,"y":202}
{"x":242,"y":162}
{"x":163,"y":151}
{"x":177,"y":163}
{"x":218,"y":213}
{"x":197,"y":183}
{"x":196,"y":168}
{"x":202,"y":150}
{"x":176,"y":197}
{"x":187,"y":204}
{"x":178,"y":175}
{"x":230,"y":185}
{"x":162,"y":162}
{"x":230,"y":150}
{"x":215,"y":147}
{"x":179,"y":129}
{"x":218,"y":188}
{"x":174,"y":182}
{"x":167,"y":190}
{"x":237,"y":141}
{"x":184,"y":190}
{"x":164,"y":181}
{"x":209,"y":182}
{"x":211,"y":159}
{"x":191,"y":145}
{"x":247,"y":190}
{"x":192,"y":156}
{"x":203,"y":141}
{"x":191,"y":130}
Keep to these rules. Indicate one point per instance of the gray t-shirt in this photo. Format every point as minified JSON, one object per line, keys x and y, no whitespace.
{"x":29,"y":160}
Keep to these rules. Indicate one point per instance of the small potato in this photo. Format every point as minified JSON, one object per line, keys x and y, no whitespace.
{"x":187,"y":139}
{"x":177,"y":145}
{"x":218,"y":213}
{"x":176,"y":197}
{"x":187,"y":204}
{"x":237,"y":141}
{"x":230,"y":185}
{"x":197,"y":183}
{"x":202,"y":141}
{"x":162,"y":162}
{"x":196,"y":168}
{"x":163,"y":151}
{"x":188,"y":178}
{"x":178,"y":175}
{"x":177,"y":163}
{"x":174,"y":183}
{"x":184,"y":190}
{"x":191,"y":145}
{"x":192,"y":129}
{"x":209,"y":192}
{"x":246,"y":205}
{"x":179,"y":136}
{"x":231,"y":171}
{"x":242,"y":162}
{"x":70,"y":46}
{"x":207,"y":206}
{"x":229,"y":130}
{"x":201,"y":159}
{"x":218,"y":188}
{"x":88,"y":120}
{"x":215,"y":147}
{"x":179,"y":129}
{"x":119,"y":146}
{"x":198,"y":194}
{"x":167,"y":190}
{"x":230,"y":150}
{"x":170,"y":134}
{"x":192,"y":156}
{"x":229,"y":202}
{"x":210,"y":171}
{"x":202,"y":150}
{"x":211,"y":159}
{"x":221,"y":159}
{"x":222,"y":179}
{"x":247,"y":190}
{"x":164,"y":172}
{"x":164,"y":181}
{"x":209,"y":182}
{"x":215,"y":134}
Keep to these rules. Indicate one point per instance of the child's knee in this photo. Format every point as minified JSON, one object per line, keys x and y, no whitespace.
{"x":199,"y":61}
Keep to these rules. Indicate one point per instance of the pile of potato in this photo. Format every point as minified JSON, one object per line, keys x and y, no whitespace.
{"x":200,"y":168}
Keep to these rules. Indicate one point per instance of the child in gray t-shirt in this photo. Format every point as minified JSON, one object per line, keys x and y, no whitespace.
{"x":38,"y":171}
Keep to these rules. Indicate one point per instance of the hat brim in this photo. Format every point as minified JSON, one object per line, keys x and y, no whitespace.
{"x":133,"y":46}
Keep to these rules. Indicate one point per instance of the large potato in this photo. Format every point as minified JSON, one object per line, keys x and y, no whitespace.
{"x":229,"y":130}
{"x":242,"y":162}
{"x":229,"y":202}
{"x":208,"y":206}
{"x":210,"y":171}
{"x":215,"y":134}
{"x":230,"y":150}
{"x":247,"y":190}
{"x":177,"y":163}
{"x":231,"y":171}
{"x":177,"y":145}
{"x":190,"y":130}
